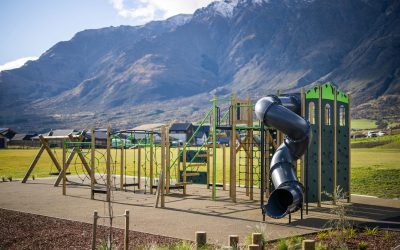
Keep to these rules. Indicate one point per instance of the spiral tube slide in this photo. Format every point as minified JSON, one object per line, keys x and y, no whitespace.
{"x":282,"y":113}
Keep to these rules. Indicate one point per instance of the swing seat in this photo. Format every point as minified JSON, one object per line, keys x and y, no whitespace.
{"x":99,"y":191}
{"x":131,"y":185}
{"x":58,"y":173}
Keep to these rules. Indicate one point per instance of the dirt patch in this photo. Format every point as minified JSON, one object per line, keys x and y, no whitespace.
{"x":28,"y":231}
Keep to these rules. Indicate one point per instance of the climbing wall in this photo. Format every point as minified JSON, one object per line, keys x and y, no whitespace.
{"x":343,"y":157}
{"x":311,"y":156}
{"x":327,"y":139}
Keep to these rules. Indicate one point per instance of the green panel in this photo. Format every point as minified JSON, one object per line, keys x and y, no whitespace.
{"x":201,"y":179}
{"x":328,"y":91}
{"x":342,"y":168}
{"x":311,"y":156}
{"x":313,"y":93}
{"x":342,"y":97}
{"x":327,"y":149}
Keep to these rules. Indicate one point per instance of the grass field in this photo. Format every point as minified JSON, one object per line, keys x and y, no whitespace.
{"x":363,"y":124}
{"x":375,"y":169}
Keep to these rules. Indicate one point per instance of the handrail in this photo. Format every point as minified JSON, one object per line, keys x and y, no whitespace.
{"x":191,"y":138}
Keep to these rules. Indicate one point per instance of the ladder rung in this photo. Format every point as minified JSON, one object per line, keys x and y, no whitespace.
{"x":196,"y":164}
{"x":191,"y":174}
{"x":183,"y":183}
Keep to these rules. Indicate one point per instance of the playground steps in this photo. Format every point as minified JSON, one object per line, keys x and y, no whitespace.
{"x":191,"y":174}
{"x":196,"y":164}
{"x":183,"y":183}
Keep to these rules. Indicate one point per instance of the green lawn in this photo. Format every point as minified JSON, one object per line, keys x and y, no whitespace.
{"x":363,"y":124}
{"x":375,"y":170}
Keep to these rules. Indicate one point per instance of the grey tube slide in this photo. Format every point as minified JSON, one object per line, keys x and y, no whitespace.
{"x":282,"y":113}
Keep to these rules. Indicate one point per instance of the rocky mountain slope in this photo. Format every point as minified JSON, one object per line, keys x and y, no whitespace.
{"x":170,"y":69}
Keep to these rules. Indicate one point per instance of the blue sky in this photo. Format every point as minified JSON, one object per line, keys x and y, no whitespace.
{"x":30,"y":27}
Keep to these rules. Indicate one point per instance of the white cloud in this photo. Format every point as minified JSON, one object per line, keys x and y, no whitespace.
{"x":142,"y":11}
{"x":17,"y":63}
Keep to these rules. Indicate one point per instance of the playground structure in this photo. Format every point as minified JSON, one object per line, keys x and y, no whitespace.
{"x":150,"y":163}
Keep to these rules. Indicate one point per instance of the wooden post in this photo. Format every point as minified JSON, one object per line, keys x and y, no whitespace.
{"x":250,"y":146}
{"x":126,"y":233}
{"x":349,"y":152}
{"x":254,"y":247}
{"x":161,"y":182}
{"x":232,"y":181}
{"x":167,"y":161}
{"x":257,"y":239}
{"x":223,"y":167}
{"x":64,"y":168}
{"x":184,"y":170}
{"x":319,"y":146}
{"x":95,"y":217}
{"x":334,"y":146}
{"x":208,"y":167}
{"x":234,"y":241}
{"x":152,"y":161}
{"x":108,"y":164}
{"x":139,"y":166}
{"x":308,"y":245}
{"x":201,"y":239}
{"x":33,"y":164}
{"x":92,"y":163}
{"x":121,"y":171}
{"x":302,"y":159}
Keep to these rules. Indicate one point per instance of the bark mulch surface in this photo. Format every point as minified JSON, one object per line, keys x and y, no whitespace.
{"x":28,"y":231}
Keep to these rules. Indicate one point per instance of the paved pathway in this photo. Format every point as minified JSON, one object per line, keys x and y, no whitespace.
{"x":184,"y":215}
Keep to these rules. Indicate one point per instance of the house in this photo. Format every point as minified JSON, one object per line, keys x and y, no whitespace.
{"x":3,"y":141}
{"x":7,"y":133}
{"x":182,"y":132}
{"x":201,"y":135}
{"x":100,"y":136}
{"x":24,"y":140}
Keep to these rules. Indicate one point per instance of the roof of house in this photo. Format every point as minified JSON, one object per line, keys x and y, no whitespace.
{"x":18,"y":137}
{"x":180,"y":126}
{"x":99,"y":134}
{"x":7,"y":132}
{"x":150,"y":126}
{"x":205,"y":129}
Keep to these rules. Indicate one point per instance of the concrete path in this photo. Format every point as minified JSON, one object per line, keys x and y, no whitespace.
{"x":184,"y":215}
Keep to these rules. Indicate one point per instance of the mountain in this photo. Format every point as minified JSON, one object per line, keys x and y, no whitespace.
{"x":169,"y":69}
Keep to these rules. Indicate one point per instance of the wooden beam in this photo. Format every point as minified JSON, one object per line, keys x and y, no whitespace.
{"x":152,"y":162}
{"x":64,"y":168}
{"x":108,"y":164}
{"x":167,"y":161}
{"x":224,"y":167}
{"x":33,"y":164}
{"x":121,"y":169}
{"x":92,"y":164}
{"x":52,"y":157}
{"x":161,"y":182}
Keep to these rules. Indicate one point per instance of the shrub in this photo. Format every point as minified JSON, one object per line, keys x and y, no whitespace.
{"x":259,"y":228}
{"x":282,"y":245}
{"x":371,"y":231}
{"x":362,"y":245}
